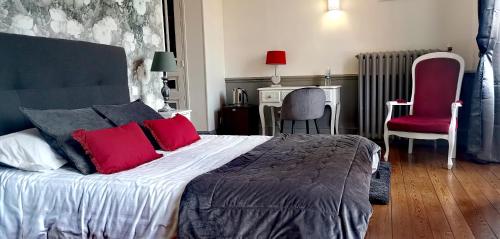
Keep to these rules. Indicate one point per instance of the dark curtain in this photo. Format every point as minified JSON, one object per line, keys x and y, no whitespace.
{"x":484,"y":131}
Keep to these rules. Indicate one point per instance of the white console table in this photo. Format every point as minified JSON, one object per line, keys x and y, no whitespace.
{"x":170,"y":114}
{"x":273,"y":97}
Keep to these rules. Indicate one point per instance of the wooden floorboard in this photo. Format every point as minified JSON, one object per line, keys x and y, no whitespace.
{"x":399,"y":202}
{"x":434,"y":212}
{"x":418,"y":215}
{"x":475,"y":190}
{"x":495,"y":170}
{"x":454,"y":216}
{"x":487,"y":175}
{"x":430,"y":201}
{"x":488,"y":190}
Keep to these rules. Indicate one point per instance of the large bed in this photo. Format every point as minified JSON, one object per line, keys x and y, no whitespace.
{"x":317,"y":185}
{"x":138,"y":203}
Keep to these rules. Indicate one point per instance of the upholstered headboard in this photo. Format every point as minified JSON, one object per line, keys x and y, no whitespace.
{"x":45,"y":73}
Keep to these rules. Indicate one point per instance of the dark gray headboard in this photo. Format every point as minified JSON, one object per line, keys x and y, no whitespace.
{"x":44,"y":73}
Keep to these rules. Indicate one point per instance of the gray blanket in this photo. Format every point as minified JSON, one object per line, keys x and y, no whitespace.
{"x":293,"y":186}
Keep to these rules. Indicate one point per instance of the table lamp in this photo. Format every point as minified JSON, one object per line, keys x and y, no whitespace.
{"x":164,"y":62}
{"x":276,"y":58}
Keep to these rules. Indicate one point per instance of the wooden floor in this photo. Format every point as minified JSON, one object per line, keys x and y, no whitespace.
{"x":429,"y":201}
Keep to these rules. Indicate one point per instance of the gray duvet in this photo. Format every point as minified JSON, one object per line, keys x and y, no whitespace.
{"x":293,"y":186}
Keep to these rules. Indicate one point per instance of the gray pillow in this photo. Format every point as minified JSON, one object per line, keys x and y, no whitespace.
{"x":135,"y":111}
{"x":132,"y":112}
{"x":57,"y":126}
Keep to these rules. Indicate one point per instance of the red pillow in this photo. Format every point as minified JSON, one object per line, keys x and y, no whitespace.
{"x":173,"y":133}
{"x":116,"y":149}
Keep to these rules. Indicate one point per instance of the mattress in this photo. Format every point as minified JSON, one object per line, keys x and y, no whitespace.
{"x":66,"y":204}
{"x":139,"y":203}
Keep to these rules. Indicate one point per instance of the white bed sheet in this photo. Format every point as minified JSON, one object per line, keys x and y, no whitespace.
{"x":65,"y":204}
{"x":139,"y":203}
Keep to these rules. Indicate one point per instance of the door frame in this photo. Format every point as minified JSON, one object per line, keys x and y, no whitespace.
{"x":180,"y":94}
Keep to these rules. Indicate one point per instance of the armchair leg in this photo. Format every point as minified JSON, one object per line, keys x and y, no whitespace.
{"x":451,"y":144}
{"x":450,"y":152}
{"x":281,"y":126}
{"x":307,"y":126}
{"x":386,"y":140}
{"x":410,"y":146}
{"x":293,"y":126}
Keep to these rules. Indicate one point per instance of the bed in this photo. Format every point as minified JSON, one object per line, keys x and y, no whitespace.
{"x":166,"y":197}
{"x":66,"y":204}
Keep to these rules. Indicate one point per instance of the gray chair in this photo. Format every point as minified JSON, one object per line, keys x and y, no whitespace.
{"x":303,"y":104}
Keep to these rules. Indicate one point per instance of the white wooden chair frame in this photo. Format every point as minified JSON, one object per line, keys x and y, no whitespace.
{"x":452,"y":131}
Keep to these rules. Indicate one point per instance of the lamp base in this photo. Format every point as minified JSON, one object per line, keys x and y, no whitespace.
{"x":276,"y":80}
{"x":165,"y":92}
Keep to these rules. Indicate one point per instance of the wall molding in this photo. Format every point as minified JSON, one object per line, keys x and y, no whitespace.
{"x":284,"y":79}
{"x":247,"y":79}
{"x":349,"y":97}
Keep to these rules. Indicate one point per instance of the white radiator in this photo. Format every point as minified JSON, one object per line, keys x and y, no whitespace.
{"x":383,"y":76}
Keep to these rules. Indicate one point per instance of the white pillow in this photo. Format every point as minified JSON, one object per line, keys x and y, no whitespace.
{"x":27,"y":150}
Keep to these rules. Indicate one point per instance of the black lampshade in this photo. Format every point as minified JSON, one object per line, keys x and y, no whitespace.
{"x":164,"y":62}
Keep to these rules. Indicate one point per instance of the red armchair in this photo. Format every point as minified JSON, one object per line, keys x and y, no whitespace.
{"x":437,"y":80}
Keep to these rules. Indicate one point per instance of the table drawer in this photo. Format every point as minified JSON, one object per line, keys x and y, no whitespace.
{"x":270,"y":96}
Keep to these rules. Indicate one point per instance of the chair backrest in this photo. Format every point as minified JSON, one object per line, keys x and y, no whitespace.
{"x":437,"y":80}
{"x":304,"y":104}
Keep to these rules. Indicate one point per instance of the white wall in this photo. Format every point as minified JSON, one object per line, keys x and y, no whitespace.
{"x":316,"y":40}
{"x":214,"y":58}
{"x":195,"y":63}
{"x":205,"y":61}
{"x":459,"y":27}
{"x":229,"y":38}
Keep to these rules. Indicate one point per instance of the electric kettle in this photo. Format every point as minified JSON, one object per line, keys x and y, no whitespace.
{"x":240,"y":96}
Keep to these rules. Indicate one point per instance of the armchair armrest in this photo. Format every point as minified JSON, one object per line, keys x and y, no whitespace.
{"x":457,"y":104}
{"x":454,"y":113}
{"x":391,"y":104}
{"x":398,"y":103}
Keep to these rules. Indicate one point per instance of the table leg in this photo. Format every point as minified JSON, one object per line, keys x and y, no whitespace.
{"x":262,"y":119}
{"x":337,"y":119}
{"x":333,"y":118}
{"x":273,"y":121}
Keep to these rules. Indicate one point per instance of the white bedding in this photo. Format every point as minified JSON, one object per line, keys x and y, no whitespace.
{"x":139,"y":203}
{"x":66,"y":204}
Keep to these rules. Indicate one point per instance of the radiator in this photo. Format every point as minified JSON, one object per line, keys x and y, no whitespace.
{"x":383,"y":76}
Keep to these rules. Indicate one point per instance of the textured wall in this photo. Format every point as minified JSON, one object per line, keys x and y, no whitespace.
{"x":136,"y":25}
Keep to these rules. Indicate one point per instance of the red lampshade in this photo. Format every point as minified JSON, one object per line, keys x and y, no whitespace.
{"x":276,"y":58}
